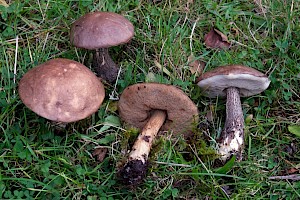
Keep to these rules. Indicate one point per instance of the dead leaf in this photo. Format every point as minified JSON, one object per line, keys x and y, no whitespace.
{"x":292,"y":171}
{"x":196,"y":66}
{"x":113,"y":106}
{"x":100,"y":153}
{"x":227,"y":190}
{"x":189,"y":2}
{"x":210,"y":113}
{"x":3,"y":3}
{"x":150,"y":77}
{"x":216,"y":39}
{"x":291,"y":149}
{"x":156,"y":1}
{"x":249,"y":118}
{"x":165,"y":70}
{"x":261,"y":9}
{"x":236,"y":31}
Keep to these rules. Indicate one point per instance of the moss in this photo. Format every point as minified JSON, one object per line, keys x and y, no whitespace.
{"x":157,"y":147}
{"x":128,"y":138}
{"x":204,"y":151}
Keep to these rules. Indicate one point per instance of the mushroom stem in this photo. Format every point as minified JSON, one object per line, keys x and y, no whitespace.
{"x":104,"y":66}
{"x":232,"y":137}
{"x":136,"y":167}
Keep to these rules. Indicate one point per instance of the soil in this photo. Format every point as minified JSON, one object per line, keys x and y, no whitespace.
{"x":133,"y":172}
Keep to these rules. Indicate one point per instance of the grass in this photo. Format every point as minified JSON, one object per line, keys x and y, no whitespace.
{"x":40,"y":161}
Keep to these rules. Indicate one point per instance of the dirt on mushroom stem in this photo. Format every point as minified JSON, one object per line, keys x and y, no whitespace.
{"x":231,"y":141}
{"x":136,"y":167}
{"x":104,"y":66}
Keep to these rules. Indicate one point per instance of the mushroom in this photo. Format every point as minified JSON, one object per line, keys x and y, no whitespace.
{"x":61,"y":90}
{"x":99,"y":31}
{"x":232,"y":82}
{"x":152,"y":107}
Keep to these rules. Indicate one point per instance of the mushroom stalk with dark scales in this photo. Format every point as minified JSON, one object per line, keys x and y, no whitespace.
{"x":232,"y":137}
{"x":104,"y":66}
{"x":135,"y":169}
{"x":152,"y":107}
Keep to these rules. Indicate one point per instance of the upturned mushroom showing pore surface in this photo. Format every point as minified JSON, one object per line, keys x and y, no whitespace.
{"x":61,"y":90}
{"x":232,"y":82}
{"x":152,"y":107}
{"x":99,"y":31}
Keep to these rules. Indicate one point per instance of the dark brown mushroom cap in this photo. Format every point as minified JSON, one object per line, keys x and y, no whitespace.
{"x":137,"y":101}
{"x":101,"y":30}
{"x":249,"y":81}
{"x":61,"y":90}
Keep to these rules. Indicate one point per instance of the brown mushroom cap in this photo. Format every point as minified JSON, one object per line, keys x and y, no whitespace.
{"x":249,"y":81}
{"x":61,"y":90}
{"x":137,"y":101}
{"x":101,"y":30}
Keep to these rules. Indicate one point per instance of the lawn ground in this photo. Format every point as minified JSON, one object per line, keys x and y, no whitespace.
{"x":41,"y":160}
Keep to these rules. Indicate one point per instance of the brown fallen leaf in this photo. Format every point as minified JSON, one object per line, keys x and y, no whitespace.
{"x":261,"y":9}
{"x":227,"y":190}
{"x":196,"y":66}
{"x":100,"y":153}
{"x":3,"y":3}
{"x":165,"y":70}
{"x":291,"y":149}
{"x":236,"y":31}
{"x":216,"y":39}
{"x":292,"y":171}
{"x":189,"y":2}
{"x":210,"y":113}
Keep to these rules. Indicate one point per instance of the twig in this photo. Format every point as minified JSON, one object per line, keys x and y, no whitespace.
{"x":199,"y":159}
{"x":114,"y":95}
{"x":192,"y":33}
{"x":294,"y":177}
{"x":45,"y":41}
{"x":172,"y":164}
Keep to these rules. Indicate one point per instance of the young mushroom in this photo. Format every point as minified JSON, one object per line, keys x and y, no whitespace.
{"x":152,"y":107}
{"x":232,"y":82}
{"x":99,"y":31}
{"x":61,"y":90}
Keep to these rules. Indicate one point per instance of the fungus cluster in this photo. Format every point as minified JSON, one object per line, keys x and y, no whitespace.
{"x":66,"y":91}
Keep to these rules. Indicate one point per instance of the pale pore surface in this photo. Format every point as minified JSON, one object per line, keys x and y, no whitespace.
{"x":248,"y":85}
